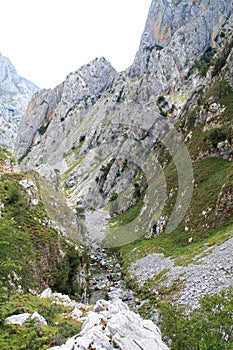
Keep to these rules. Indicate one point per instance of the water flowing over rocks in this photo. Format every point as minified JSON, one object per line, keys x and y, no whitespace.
{"x":106,"y":279}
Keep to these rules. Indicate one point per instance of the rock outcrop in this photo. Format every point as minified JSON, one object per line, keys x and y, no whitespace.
{"x":81,"y":89}
{"x":22,"y":318}
{"x":15,"y":94}
{"x":112,"y":325}
{"x":185,"y":30}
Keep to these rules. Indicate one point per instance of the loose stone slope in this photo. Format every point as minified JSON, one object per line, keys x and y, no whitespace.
{"x":208,"y":275}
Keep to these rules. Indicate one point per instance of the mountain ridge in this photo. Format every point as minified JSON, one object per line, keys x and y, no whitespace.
{"x":15,"y":94}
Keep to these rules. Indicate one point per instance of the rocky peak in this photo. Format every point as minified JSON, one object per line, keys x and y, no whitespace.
{"x":15,"y":93}
{"x":81,"y":90}
{"x":11,"y":81}
{"x":87,"y":82}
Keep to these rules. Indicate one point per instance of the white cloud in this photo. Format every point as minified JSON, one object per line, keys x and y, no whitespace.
{"x":47,"y":39}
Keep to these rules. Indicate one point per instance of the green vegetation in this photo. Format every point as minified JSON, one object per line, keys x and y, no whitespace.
{"x":221,"y":61}
{"x":34,"y":255}
{"x":64,"y":279}
{"x":210,"y":327}
{"x":113,"y":197}
{"x":172,"y":246}
{"x":4,"y":153}
{"x":220,"y":89}
{"x":73,"y":166}
{"x":30,"y":248}
{"x":35,"y":337}
{"x":24,"y":239}
{"x":203,"y":64}
{"x":205,"y":135}
{"x":126,"y":217}
{"x":217,"y":135}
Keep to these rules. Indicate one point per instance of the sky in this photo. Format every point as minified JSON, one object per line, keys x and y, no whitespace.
{"x":47,"y":39}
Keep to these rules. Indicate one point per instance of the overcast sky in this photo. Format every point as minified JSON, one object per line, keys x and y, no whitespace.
{"x":47,"y":39}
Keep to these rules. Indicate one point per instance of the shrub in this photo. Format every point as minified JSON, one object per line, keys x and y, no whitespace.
{"x":221,"y":61}
{"x":113,"y":197}
{"x":216,"y":135}
{"x":43,"y":128}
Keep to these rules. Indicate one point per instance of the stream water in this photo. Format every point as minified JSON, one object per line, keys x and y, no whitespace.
{"x":106,"y":279}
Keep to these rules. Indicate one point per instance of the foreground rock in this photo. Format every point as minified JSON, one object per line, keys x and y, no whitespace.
{"x":112,"y":325}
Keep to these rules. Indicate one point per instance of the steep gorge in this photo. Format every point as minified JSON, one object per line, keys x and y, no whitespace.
{"x":140,"y":163}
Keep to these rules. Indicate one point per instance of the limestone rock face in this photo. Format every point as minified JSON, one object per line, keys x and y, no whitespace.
{"x":81,"y":88}
{"x":184,"y":29}
{"x":37,"y":118}
{"x":113,"y":325}
{"x":15,"y":94}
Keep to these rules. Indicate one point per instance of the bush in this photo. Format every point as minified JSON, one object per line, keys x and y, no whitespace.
{"x":221,"y":61}
{"x":113,"y":197}
{"x":160,"y":99}
{"x":43,"y":128}
{"x":65,"y":277}
{"x":17,"y":203}
{"x":216,"y":135}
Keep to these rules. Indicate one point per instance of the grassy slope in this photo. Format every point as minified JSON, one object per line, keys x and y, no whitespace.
{"x":31,"y":258}
{"x":60,"y":325}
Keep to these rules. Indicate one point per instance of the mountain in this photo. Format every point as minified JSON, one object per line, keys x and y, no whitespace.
{"x":100,"y":134}
{"x":15,"y":94}
{"x":137,"y":166}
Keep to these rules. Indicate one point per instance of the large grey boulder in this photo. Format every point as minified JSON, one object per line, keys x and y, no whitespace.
{"x":38,"y":319}
{"x":17,"y":319}
{"x":22,"y":318}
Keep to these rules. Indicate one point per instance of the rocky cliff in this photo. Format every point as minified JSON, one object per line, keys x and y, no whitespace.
{"x":143,"y":159}
{"x":92,"y":137}
{"x":15,"y":94}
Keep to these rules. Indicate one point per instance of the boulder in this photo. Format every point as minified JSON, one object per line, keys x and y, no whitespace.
{"x":38,"y":319}
{"x":17,"y":319}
